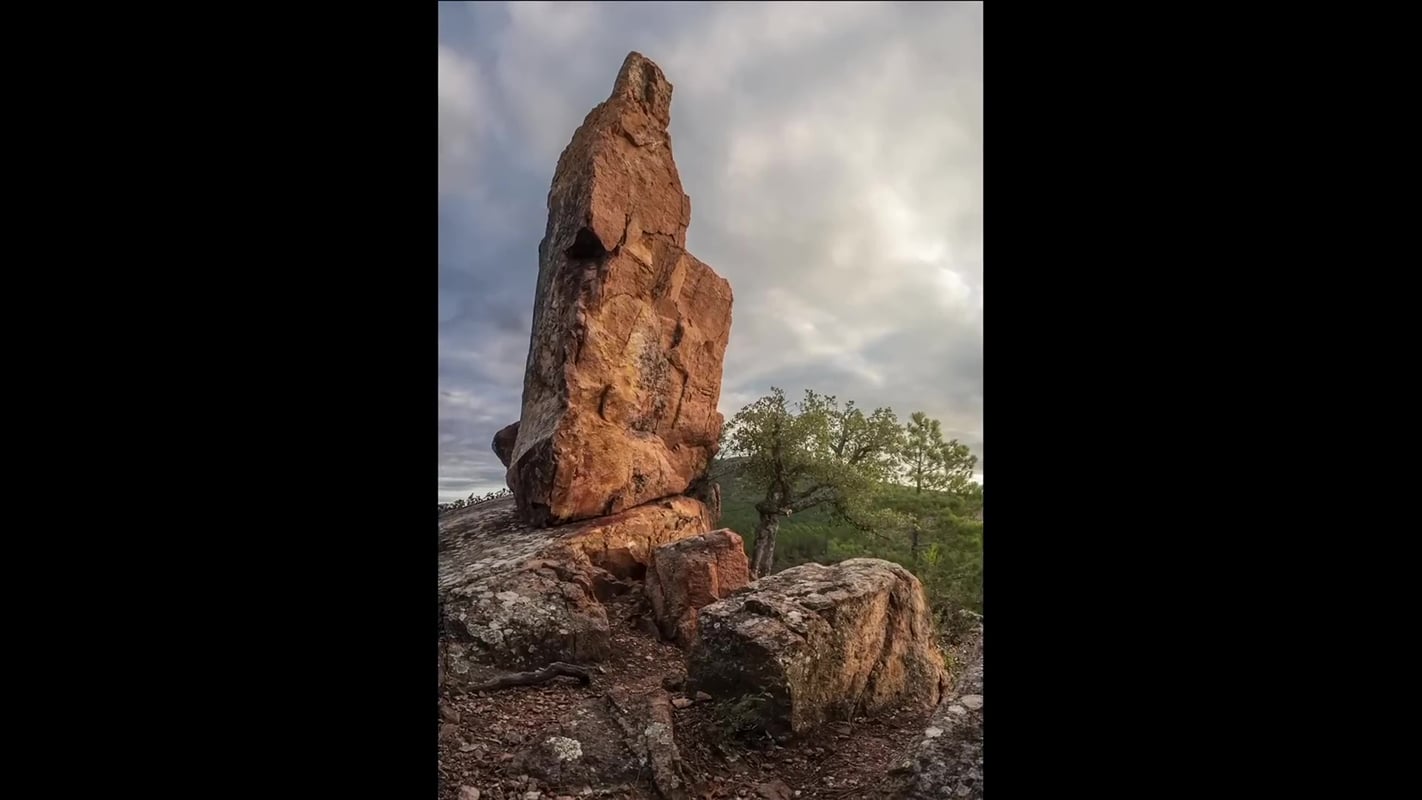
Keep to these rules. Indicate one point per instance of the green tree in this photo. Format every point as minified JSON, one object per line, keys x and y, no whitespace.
{"x":814,"y":454}
{"x":931,"y":463}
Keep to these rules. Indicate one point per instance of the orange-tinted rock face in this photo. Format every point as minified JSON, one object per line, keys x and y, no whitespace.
{"x":690,"y":573}
{"x":629,"y":330}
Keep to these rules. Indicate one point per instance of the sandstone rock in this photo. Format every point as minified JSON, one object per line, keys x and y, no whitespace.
{"x":816,"y":643}
{"x":468,"y":793}
{"x":504,"y":443}
{"x":690,"y":573}
{"x":517,"y":597}
{"x":629,"y":330}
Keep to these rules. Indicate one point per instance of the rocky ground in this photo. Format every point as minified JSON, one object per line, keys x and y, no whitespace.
{"x":489,"y":741}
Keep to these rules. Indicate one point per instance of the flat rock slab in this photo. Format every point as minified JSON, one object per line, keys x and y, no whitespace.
{"x":817,"y":643}
{"x":518,"y":597}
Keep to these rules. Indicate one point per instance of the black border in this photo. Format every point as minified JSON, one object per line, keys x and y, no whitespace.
{"x":296,"y":244}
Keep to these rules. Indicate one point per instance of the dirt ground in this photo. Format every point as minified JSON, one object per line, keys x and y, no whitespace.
{"x":481,"y":737}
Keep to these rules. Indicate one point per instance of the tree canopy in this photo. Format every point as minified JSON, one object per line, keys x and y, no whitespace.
{"x":814,"y":453}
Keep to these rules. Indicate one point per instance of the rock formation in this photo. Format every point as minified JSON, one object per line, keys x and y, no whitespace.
{"x":816,"y":643}
{"x":504,"y":443}
{"x":518,"y":597}
{"x":619,"y":412}
{"x":629,"y":330}
{"x":691,"y":573}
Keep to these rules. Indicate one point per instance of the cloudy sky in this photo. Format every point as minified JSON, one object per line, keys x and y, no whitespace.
{"x":833,"y":154}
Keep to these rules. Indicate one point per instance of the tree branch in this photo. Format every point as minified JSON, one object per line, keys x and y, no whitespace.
{"x":548,"y":673}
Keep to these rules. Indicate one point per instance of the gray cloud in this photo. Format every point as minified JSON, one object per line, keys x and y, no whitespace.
{"x":833,"y":154}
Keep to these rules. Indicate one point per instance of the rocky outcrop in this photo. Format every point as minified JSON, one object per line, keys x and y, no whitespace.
{"x":816,"y":643}
{"x":504,"y":442}
{"x":519,"y":597}
{"x":690,"y":573}
{"x":948,"y":759}
{"x":629,"y":330}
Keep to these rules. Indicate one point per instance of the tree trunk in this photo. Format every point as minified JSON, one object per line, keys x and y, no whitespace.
{"x":765,"y":545}
{"x":913,"y":548}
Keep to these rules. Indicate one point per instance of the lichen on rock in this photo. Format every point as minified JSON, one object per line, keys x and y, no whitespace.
{"x":816,"y":643}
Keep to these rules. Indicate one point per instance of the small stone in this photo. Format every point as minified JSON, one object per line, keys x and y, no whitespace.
{"x":448,"y":731}
{"x":673,"y":681}
{"x":773,"y":790}
{"x":681,"y":702}
{"x":972,"y":701}
{"x":957,"y":710}
{"x":648,"y":626}
{"x":933,"y":733}
{"x":448,"y":712}
{"x":702,"y":697}
{"x":468,"y":793}
{"x":534,"y":795}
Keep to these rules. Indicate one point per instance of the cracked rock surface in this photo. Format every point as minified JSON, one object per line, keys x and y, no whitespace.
{"x":817,"y":643}
{"x":629,"y":330}
{"x":517,"y":597}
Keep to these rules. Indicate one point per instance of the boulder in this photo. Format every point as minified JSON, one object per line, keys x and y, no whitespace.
{"x":518,"y":597}
{"x":629,"y":330}
{"x":690,"y":573}
{"x":504,"y":442}
{"x":816,"y":643}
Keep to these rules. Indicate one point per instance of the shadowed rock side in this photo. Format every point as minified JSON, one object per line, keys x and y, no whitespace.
{"x":518,"y":597}
{"x":816,"y":643}
{"x":504,"y":443}
{"x":629,"y":330}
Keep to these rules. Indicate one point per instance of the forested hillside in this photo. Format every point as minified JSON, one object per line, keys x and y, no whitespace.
{"x":949,"y":558}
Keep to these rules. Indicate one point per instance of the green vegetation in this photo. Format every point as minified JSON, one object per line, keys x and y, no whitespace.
{"x":821,"y":482}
